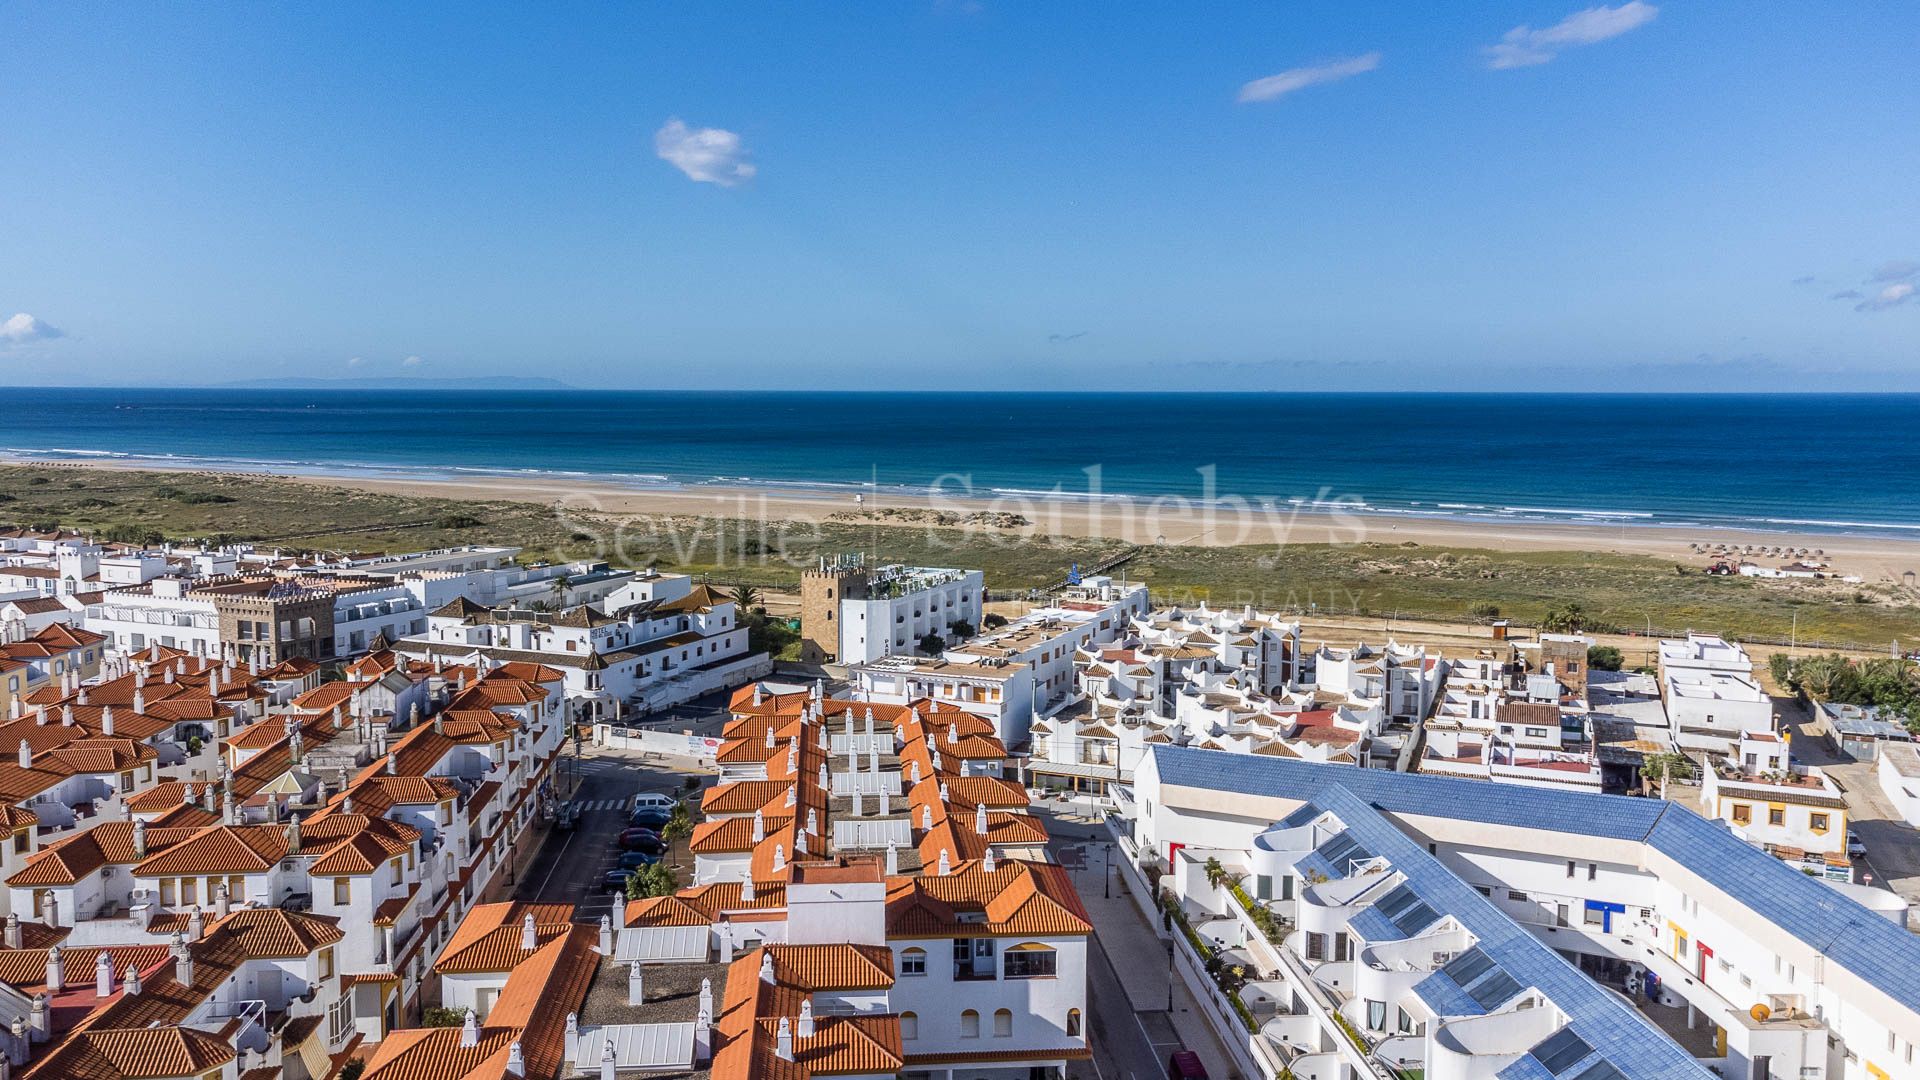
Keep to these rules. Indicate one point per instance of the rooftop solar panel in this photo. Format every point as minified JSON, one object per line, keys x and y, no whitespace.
{"x":1468,"y":966}
{"x":1560,"y":1050}
{"x":1493,"y":989}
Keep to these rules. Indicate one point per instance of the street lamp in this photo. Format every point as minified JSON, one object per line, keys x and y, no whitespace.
{"x":1169,"y":976}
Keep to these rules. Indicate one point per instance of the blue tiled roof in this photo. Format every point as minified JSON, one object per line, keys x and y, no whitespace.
{"x":1445,"y":997}
{"x":1869,"y":945}
{"x":1371,"y":926}
{"x":1614,"y":816}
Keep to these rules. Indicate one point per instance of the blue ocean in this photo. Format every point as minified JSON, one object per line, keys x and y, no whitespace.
{"x":1803,"y":462}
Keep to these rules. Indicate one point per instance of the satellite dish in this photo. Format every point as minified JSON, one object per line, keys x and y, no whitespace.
{"x":1760,"y":1013}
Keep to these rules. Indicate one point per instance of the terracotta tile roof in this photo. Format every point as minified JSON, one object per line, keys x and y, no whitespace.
{"x":74,"y":857}
{"x":753,"y":1008}
{"x":26,"y":969}
{"x":531,"y":1010}
{"x":742,"y":796}
{"x":833,"y":967}
{"x":705,"y":904}
{"x":1016,"y":898}
{"x":140,"y":1054}
{"x":489,"y":938}
{"x":273,"y":934}
{"x":218,"y":849}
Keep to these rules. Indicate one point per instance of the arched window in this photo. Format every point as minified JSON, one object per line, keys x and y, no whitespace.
{"x":913,"y":961}
{"x":1073,"y":1023}
{"x":1002,"y":1023}
{"x":909,"y":1025}
{"x":1030,"y":960}
{"x":969,"y":1025}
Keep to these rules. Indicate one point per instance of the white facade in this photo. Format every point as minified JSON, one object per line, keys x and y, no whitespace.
{"x":904,"y":605}
{"x":1635,"y":893}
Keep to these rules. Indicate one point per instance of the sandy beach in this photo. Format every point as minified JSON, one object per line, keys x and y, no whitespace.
{"x":1141,"y":521}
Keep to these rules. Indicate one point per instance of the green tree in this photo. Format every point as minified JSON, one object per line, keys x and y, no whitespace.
{"x":1484,"y":612}
{"x":679,"y":824}
{"x":932,"y":644}
{"x":1603,"y":658}
{"x":1780,"y":666}
{"x":436,"y":1016}
{"x":1677,"y":765}
{"x":1567,"y":618}
{"x":747,"y":598}
{"x":653,"y":879}
{"x":960,"y":629}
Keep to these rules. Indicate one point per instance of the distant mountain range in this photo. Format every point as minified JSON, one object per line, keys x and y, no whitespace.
{"x":402,"y":382}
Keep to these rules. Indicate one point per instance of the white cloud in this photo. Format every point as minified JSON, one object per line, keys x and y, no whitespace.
{"x":1892,"y":296}
{"x":412,"y":361}
{"x":355,"y":361}
{"x":1286,"y":82}
{"x":22,"y":328}
{"x":1523,"y":46}
{"x":707,"y":155}
{"x":1897,"y":270}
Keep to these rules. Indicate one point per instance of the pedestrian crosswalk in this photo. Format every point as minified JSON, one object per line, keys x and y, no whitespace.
{"x":584,"y":806}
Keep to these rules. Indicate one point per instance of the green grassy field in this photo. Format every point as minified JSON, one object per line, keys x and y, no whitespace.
{"x":1621,"y":591}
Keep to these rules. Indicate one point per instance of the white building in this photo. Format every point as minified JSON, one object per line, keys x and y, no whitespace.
{"x":646,"y":656}
{"x":1710,"y":693}
{"x":1481,"y":931}
{"x":903,"y":604}
{"x":1047,"y":640}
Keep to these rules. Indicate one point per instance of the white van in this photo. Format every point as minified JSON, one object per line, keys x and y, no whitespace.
{"x":652,"y":801}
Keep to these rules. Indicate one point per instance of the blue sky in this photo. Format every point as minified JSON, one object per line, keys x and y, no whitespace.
{"x":1282,"y":195}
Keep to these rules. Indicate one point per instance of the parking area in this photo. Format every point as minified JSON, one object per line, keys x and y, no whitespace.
{"x":573,"y":864}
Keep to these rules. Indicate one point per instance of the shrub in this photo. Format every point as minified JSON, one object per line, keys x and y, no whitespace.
{"x":458,"y":521}
{"x":436,"y":1016}
{"x":1603,"y":658}
{"x":1485,"y":612}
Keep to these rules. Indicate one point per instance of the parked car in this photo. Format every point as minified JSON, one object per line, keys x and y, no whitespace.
{"x":638,"y":834}
{"x":652,"y":845}
{"x":634,"y":860}
{"x":648,"y":817}
{"x":1856,"y":848}
{"x":616,"y":880}
{"x":1185,"y":1065}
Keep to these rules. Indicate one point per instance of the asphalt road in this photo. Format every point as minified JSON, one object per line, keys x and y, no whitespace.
{"x":572,"y":863}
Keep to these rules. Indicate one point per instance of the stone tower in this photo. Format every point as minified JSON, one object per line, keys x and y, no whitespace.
{"x":837,"y":578}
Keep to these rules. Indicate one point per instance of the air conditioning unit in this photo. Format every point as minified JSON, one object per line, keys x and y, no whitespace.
{"x":107,"y":872}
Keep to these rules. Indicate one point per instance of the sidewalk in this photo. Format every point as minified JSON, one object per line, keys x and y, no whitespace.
{"x":1140,"y":957}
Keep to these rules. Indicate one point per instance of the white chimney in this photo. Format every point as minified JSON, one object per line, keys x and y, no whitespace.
{"x":102,"y":975}
{"x":759,"y":827}
{"x":608,"y":1066}
{"x":13,"y":931}
{"x":606,"y":936}
{"x":182,"y":960}
{"x":132,"y":981}
{"x":516,"y":1064}
{"x":26,"y":755}
{"x":528,"y":940}
{"x":980,"y":819}
{"x":56,"y":971}
{"x":805,"y":1028}
{"x":196,"y":924}
{"x":470,"y":1030}
{"x":926,"y":816}
{"x":783,"y":1040}
{"x":766,"y":965}
{"x":779,"y":857}
{"x":986,"y":861}
{"x":572,"y":1045}
{"x":106,"y":719}
{"x":893,"y":860}
{"x":636,"y":984}
{"x":945,"y":865}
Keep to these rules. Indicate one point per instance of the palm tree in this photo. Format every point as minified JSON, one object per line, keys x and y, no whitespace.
{"x":560,"y":590}
{"x":746,"y":597}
